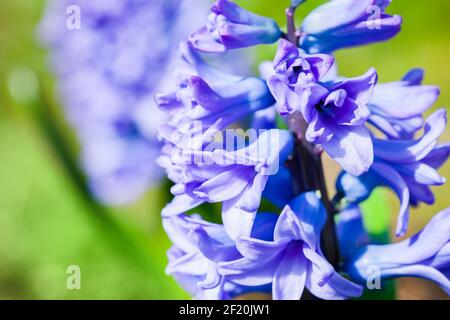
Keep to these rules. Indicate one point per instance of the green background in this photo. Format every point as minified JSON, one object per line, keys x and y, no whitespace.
{"x":48,"y":222}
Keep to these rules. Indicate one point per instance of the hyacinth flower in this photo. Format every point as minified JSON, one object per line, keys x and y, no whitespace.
{"x":425,"y":255}
{"x":230,"y":27}
{"x":292,"y":260}
{"x":198,"y":248}
{"x":294,"y":68}
{"x":208,"y":99}
{"x":108,"y":69}
{"x":299,"y":256}
{"x":347,"y":23}
{"x":215,"y":107}
{"x":336,"y":113}
{"x":408,"y":167}
{"x":397,"y":107}
{"x":236,"y":178}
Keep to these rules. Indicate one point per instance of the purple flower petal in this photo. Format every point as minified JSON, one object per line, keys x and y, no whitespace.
{"x":402,"y":100}
{"x":336,"y":288}
{"x":303,"y":219}
{"x":249,"y":273}
{"x":203,"y":41}
{"x":258,"y":250}
{"x":290,"y":277}
{"x":396,"y":182}
{"x":335,"y":14}
{"x":181,"y":204}
{"x":438,"y":156}
{"x":405,"y":151}
{"x":361,"y":88}
{"x":351,"y":148}
{"x":239,"y":213}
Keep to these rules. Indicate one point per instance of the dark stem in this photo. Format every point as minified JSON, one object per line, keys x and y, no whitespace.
{"x":308,"y":175}
{"x":292,"y":35}
{"x":329,"y":237}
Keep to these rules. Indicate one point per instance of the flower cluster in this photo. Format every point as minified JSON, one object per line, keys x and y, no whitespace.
{"x":368,"y":128}
{"x":108,"y":68}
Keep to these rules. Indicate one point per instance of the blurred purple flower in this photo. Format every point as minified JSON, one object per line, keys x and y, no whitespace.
{"x":107,"y":70}
{"x":292,"y":260}
{"x":231,"y":27}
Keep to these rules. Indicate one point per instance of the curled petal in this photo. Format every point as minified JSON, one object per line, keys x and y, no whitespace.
{"x":407,"y":151}
{"x":238,"y":214}
{"x":181,"y":204}
{"x":258,"y":250}
{"x":361,"y":88}
{"x":335,"y":288}
{"x":401,"y":100}
{"x":287,"y":100}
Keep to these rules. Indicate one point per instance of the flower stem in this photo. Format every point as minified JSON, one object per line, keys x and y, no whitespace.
{"x":308,"y":175}
{"x":292,"y":35}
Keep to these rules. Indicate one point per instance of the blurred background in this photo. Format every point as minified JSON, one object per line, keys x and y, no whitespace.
{"x":48,"y":219}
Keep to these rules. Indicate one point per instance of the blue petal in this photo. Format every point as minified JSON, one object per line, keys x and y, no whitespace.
{"x":438,"y":156}
{"x":357,"y":189}
{"x":351,"y":148}
{"x":350,"y":231}
{"x":402,"y":100}
{"x":290,"y":277}
{"x":407,"y":151}
{"x":279,"y":188}
{"x":303,"y":219}
{"x":335,"y":14}
{"x":352,"y":35}
{"x":395,"y":181}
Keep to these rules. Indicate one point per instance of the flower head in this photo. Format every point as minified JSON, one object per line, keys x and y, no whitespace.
{"x":294,"y":69}
{"x":335,"y":113}
{"x":230,"y":27}
{"x":292,"y":259}
{"x":237,"y":178}
{"x":207,"y":101}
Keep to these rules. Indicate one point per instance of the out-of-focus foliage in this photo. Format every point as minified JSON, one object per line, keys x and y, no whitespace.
{"x":47,"y":221}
